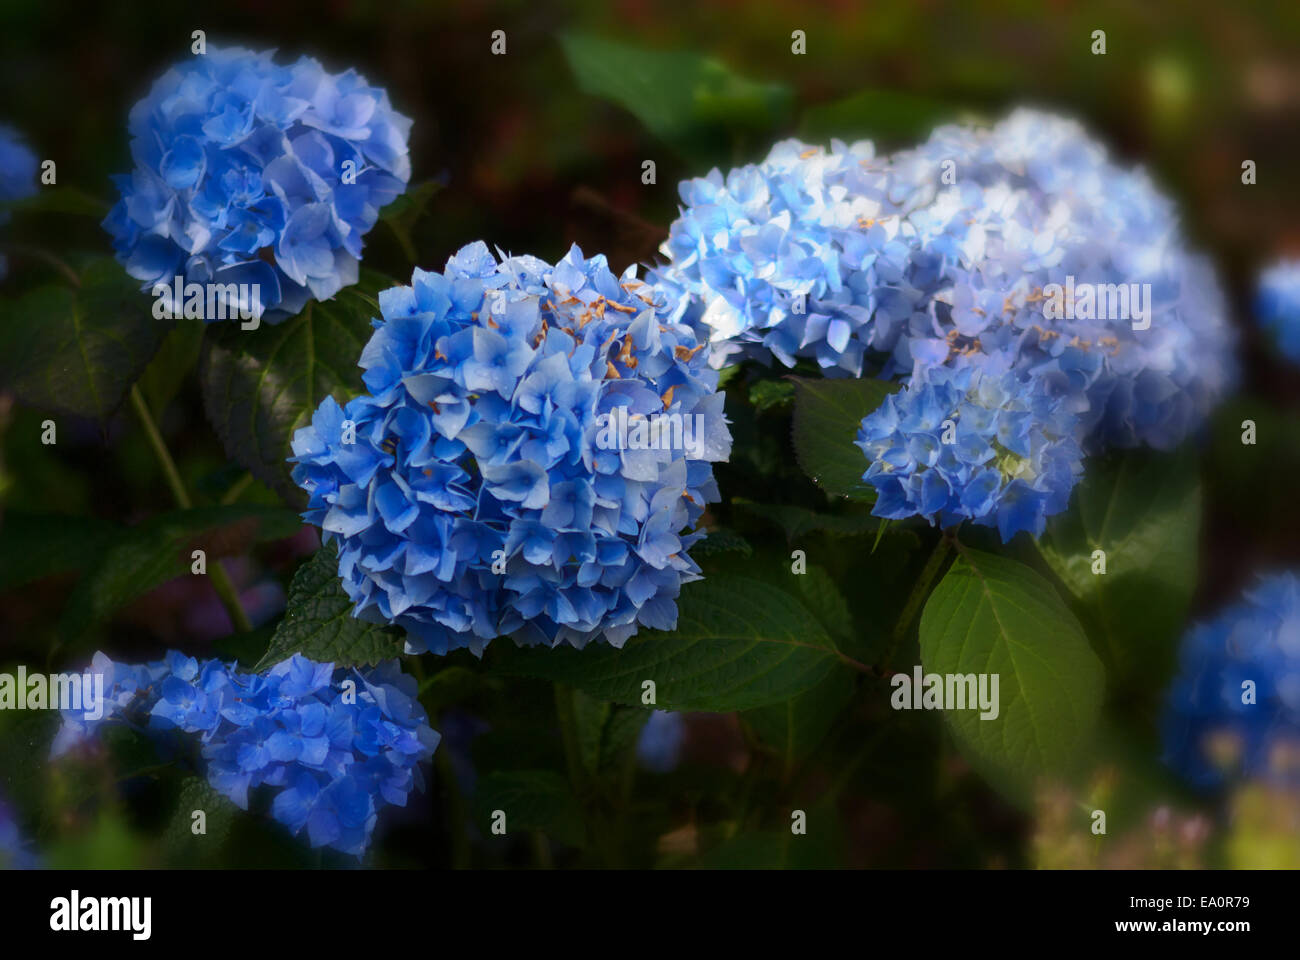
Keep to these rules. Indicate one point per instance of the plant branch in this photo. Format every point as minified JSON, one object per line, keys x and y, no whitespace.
{"x":236,"y":489}
{"x":36,"y":253}
{"x":216,"y":573}
{"x":569,"y":733}
{"x":160,"y":451}
{"x":920,"y":591}
{"x":456,"y":808}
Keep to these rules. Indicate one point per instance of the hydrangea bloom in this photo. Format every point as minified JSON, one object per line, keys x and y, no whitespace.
{"x":459,"y":730}
{"x":941,"y":255}
{"x":336,"y":745}
{"x":17,"y":176}
{"x":659,"y":747}
{"x":250,"y":172}
{"x":531,"y":459}
{"x":1210,"y":731}
{"x":15,"y":852}
{"x":1277,"y":306}
{"x":967,"y":444}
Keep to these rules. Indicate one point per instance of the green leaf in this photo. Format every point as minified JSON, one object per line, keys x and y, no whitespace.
{"x":687,"y":100}
{"x":318,"y":621}
{"x":590,"y":716}
{"x":259,"y":386}
{"x":798,"y":521}
{"x":402,"y":214}
{"x":25,"y":738}
{"x":160,"y":548}
{"x":78,"y":351}
{"x":780,"y":849}
{"x":34,"y":545}
{"x":106,"y":844}
{"x":738,"y":644}
{"x":52,"y":199}
{"x":450,"y":685}
{"x":171,"y":364}
{"x":793,"y":729}
{"x":531,"y":800}
{"x":990,"y":615}
{"x":1143,"y":510}
{"x":769,"y":394}
{"x":876,"y":114}
{"x":622,"y":730}
{"x":185,"y":848}
{"x":721,"y":541}
{"x":818,"y":590}
{"x":727,"y":374}
{"x":827,"y":417}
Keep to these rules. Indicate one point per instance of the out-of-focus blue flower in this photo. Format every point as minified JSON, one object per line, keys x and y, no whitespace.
{"x":336,"y":745}
{"x":531,"y":459}
{"x":1211,"y":734}
{"x":659,"y":747}
{"x":249,"y":172}
{"x":966,"y":444}
{"x":123,"y":684}
{"x":459,"y":730}
{"x":15,"y":852}
{"x":941,"y":255}
{"x":17,"y":169}
{"x":17,"y":176}
{"x":1277,"y":306}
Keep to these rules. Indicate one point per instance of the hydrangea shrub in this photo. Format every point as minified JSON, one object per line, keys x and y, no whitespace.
{"x":541,"y":452}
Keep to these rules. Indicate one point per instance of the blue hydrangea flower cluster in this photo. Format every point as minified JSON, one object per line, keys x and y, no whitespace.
{"x":966,"y":444}
{"x":531,"y":459}
{"x":1211,"y":733}
{"x":1277,"y":306}
{"x":941,"y":255}
{"x":336,"y":745}
{"x":249,"y":172}
{"x":17,"y":177}
{"x":762,"y":256}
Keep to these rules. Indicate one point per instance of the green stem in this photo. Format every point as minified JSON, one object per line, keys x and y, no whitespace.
{"x":542,"y":851}
{"x":845,"y":775}
{"x":456,"y":812}
{"x":160,"y":451}
{"x":920,"y":591}
{"x":583,"y":788}
{"x":627,"y":779}
{"x":417,"y":669}
{"x":236,"y":489}
{"x":229,"y":597}
{"x":216,"y":573}
{"x":36,"y":253}
{"x":568,"y":732}
{"x":747,"y":783}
